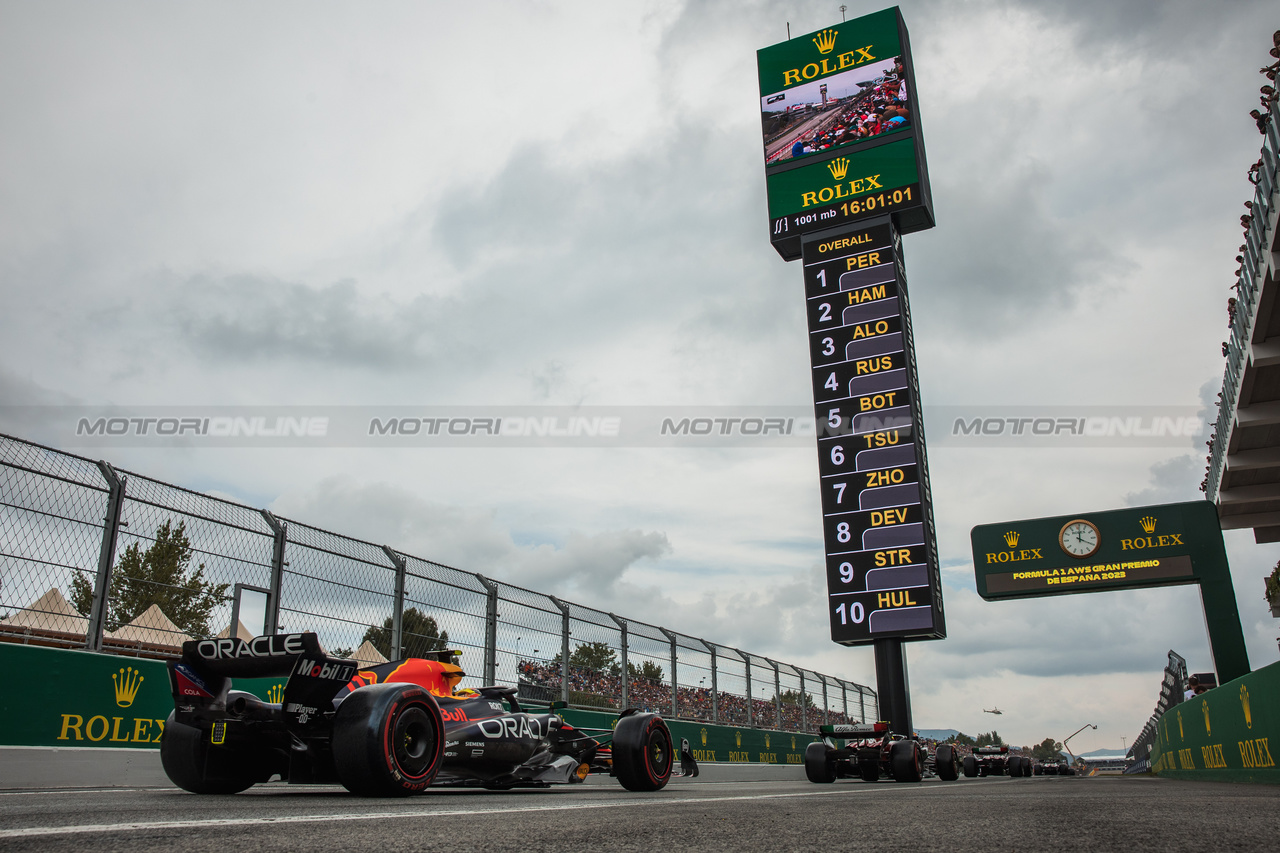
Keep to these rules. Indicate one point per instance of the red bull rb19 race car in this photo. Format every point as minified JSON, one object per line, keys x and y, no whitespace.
{"x":384,"y":731}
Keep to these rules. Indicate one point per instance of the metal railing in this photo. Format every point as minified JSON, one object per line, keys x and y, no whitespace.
{"x":1253,"y":267}
{"x":104,"y":559}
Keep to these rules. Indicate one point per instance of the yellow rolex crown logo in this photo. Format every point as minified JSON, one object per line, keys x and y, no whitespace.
{"x":766,"y":741}
{"x":127,"y":682}
{"x":275,"y":694}
{"x":704,"y":737}
{"x":737,"y":736}
{"x":839,"y":168}
{"x":1148,"y":523}
{"x":825,"y":40}
{"x":1011,"y":538}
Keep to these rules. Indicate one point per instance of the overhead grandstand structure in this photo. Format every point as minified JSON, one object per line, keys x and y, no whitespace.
{"x":1243,"y":476}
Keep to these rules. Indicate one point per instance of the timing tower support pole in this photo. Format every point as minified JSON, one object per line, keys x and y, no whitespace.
{"x":891,"y":684}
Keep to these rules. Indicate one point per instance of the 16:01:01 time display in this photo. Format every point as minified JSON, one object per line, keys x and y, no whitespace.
{"x":853,"y":208}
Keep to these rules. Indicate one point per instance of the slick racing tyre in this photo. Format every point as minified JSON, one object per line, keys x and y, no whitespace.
{"x":970,"y":766}
{"x":388,"y":740}
{"x":1014,"y":766}
{"x":194,"y":764}
{"x":906,"y":761}
{"x":642,"y":752}
{"x":1038,"y":770}
{"x":946,"y":764}
{"x":1026,"y":766}
{"x":817,"y":765}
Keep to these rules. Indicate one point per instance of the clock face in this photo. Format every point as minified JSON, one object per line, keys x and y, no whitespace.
{"x":1079,"y":538}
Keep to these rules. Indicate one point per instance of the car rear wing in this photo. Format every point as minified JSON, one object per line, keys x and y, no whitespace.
{"x":844,"y":730}
{"x":201,"y":679}
{"x":991,"y":750}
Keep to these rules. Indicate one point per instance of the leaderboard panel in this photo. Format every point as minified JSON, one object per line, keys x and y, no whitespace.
{"x":882,"y":568}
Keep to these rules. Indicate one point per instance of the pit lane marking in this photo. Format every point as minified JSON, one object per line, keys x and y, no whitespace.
{"x":134,"y":826}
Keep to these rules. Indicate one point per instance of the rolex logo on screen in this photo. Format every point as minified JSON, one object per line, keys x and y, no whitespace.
{"x":127,"y":683}
{"x":826,"y":41}
{"x":839,"y":168}
{"x":1148,"y":523}
{"x":1011,"y":538}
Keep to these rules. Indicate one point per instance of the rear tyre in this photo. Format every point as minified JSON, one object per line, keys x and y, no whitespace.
{"x":642,"y":752}
{"x":906,"y":761}
{"x":194,"y":764}
{"x":818,"y":765}
{"x":1026,"y":767}
{"x":946,"y":763}
{"x":388,"y":740}
{"x":1014,"y":766}
{"x":970,"y":766}
{"x":1038,"y":770}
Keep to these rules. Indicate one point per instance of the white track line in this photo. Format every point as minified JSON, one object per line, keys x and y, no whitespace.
{"x":37,"y":831}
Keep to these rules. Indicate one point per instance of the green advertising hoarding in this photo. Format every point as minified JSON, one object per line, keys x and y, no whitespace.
{"x":831,"y":102}
{"x":1162,"y":545}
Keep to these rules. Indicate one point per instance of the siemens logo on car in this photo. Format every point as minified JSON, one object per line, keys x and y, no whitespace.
{"x":275,"y":645}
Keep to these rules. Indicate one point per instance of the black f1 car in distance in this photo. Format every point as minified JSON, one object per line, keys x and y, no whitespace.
{"x":389,"y":730}
{"x":872,"y":751}
{"x":995,"y":761}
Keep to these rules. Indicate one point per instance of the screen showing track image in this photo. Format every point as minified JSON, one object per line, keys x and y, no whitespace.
{"x":835,"y":111}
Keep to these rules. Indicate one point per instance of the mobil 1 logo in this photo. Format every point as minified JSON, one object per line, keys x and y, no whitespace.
{"x":881,"y":553}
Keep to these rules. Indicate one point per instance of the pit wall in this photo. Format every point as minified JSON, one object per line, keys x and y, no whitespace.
{"x":63,"y":698}
{"x":1228,"y":734}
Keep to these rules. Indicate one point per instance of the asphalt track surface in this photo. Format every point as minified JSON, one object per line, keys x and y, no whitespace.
{"x":987,"y":814}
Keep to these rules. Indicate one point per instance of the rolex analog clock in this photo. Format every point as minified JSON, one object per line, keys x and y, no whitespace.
{"x":1079,"y":538}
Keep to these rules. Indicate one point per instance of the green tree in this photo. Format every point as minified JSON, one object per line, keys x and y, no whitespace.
{"x":961,"y":739}
{"x":1047,"y":750}
{"x":991,"y":738}
{"x":597,"y":657}
{"x":791,"y":697}
{"x":160,"y":575}
{"x":647,"y":669}
{"x":418,"y":632}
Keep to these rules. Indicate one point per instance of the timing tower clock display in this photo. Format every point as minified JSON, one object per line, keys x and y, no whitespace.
{"x":846,"y":177}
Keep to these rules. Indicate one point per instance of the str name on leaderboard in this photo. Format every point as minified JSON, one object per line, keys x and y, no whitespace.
{"x":874,"y":515}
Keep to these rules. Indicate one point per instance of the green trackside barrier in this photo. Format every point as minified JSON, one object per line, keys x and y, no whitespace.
{"x":61,"y":697}
{"x":709,"y":742}
{"x":1228,"y":734}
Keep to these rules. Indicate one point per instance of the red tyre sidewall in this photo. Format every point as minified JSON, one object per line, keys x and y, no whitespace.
{"x":405,"y":700}
{"x":656,"y":723}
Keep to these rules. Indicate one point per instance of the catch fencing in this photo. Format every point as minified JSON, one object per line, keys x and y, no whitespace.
{"x":107,"y":560}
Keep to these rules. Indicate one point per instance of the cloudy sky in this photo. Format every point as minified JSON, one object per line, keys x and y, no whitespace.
{"x":528,"y":204}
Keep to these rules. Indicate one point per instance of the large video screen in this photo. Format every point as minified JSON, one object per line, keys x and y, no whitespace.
{"x":832,"y":112}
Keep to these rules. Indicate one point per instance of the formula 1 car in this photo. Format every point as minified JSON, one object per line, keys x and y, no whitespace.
{"x":385,"y":731}
{"x":1054,"y":768}
{"x":872,"y":751}
{"x":995,"y":761}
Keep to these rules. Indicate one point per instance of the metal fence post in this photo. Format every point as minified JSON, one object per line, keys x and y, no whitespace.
{"x":750,"y":710}
{"x":491,"y":632}
{"x":715,"y":690}
{"x":844,"y":699}
{"x":862,"y":704}
{"x":106,"y":557}
{"x":279,"y":532}
{"x":564,"y":648}
{"x":777,"y":692}
{"x":397,"y":607}
{"x":803,"y":699}
{"x":626,"y":675}
{"x":826,"y":707}
{"x":674,"y":702}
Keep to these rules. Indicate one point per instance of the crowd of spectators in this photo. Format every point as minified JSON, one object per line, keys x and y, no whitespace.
{"x":594,"y":688}
{"x":876,"y":110}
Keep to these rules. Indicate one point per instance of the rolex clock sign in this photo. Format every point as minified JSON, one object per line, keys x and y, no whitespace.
{"x":1163,"y":545}
{"x":841,"y":130}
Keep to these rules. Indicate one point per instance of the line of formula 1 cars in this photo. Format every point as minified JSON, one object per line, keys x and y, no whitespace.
{"x":872,"y":752}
